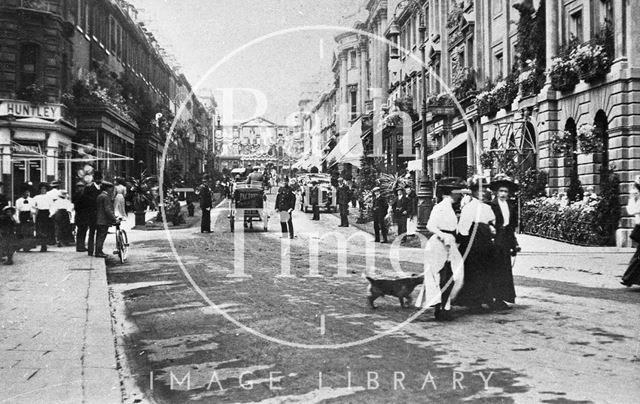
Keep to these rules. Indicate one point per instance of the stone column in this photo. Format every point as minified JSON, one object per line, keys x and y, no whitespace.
{"x":552,"y":27}
{"x":344,"y":93}
{"x":364,"y":84}
{"x":360,"y":67}
{"x":633,"y":33}
{"x":383,"y":55}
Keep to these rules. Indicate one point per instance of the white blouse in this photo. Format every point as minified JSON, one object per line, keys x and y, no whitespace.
{"x":474,"y":212}
{"x":633,"y":207}
{"x":42,"y":202}
{"x":443,"y":217}
{"x":504,"y":208}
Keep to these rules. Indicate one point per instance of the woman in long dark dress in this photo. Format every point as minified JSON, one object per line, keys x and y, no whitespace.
{"x":632,"y":274}
{"x":506,"y":245}
{"x":475,"y":234}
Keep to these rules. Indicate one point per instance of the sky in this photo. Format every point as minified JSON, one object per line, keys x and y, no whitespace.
{"x":200,"y":33}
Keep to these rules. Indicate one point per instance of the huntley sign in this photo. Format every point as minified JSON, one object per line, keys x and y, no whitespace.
{"x":24,"y":109}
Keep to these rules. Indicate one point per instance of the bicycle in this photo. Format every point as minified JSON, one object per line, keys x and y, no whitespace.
{"x":122,"y":243}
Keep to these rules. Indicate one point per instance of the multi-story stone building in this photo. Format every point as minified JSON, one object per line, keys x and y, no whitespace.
{"x":80,"y":81}
{"x":517,"y":79}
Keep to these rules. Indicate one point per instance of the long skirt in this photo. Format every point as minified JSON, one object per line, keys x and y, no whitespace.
{"x":119,"y":206}
{"x":63,"y":229}
{"x":44,"y":227}
{"x":502,"y":287}
{"x":632,"y":274}
{"x":443,"y":274}
{"x":26,"y":226}
{"x":478,"y":252}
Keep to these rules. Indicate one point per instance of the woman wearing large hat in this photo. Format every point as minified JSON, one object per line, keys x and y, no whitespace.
{"x":443,"y":267}
{"x":506,"y":244}
{"x":475,"y":234}
{"x":632,"y":274}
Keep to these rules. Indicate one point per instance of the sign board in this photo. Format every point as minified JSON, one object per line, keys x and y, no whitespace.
{"x":26,"y":149}
{"x":25,"y":109}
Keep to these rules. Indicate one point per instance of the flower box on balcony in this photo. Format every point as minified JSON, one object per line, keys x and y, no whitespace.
{"x":592,"y":75}
{"x":441,"y":110}
{"x":591,"y":61}
{"x":563,"y":74}
{"x":441,"y":105}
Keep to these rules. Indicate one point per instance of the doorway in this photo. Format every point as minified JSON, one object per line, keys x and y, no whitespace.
{"x":25,"y":170}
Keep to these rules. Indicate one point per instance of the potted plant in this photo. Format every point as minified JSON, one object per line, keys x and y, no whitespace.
{"x":441,"y":105}
{"x":465,"y":84}
{"x":486,"y":103}
{"x":563,"y":74}
{"x":33,"y":93}
{"x":486,"y":159}
{"x":589,"y":140}
{"x":561,"y":143}
{"x":141,"y":196}
{"x":591,"y":61}
{"x":506,"y":91}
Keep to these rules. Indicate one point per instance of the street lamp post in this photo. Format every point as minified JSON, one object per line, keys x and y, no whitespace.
{"x":425,"y":192}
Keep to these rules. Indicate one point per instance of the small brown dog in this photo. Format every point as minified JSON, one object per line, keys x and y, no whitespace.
{"x":400,"y":288}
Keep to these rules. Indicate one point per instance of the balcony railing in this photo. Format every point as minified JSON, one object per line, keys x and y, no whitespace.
{"x":45,"y":6}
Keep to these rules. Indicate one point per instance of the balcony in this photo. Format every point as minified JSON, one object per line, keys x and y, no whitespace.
{"x":43,"y":6}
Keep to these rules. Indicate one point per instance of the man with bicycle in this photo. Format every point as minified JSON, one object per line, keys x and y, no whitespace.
{"x":105,"y":217}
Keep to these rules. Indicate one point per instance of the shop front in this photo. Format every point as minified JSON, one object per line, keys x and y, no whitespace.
{"x":36,"y":144}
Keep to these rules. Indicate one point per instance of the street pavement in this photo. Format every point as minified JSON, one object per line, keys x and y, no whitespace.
{"x":571,"y":337}
{"x":56,"y":336}
{"x":269,"y":338}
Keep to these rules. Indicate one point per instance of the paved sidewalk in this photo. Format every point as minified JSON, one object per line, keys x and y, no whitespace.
{"x":56,"y":338}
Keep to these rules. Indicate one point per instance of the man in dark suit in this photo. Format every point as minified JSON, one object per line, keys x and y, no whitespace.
{"x":506,"y":244}
{"x":285,"y":204}
{"x":206,"y":203}
{"x":91,"y":191}
{"x":380,"y":208}
{"x":81,"y":205}
{"x":344,"y":197}
{"x":105,"y":217}
{"x":401,"y":207}
{"x":314,"y":200}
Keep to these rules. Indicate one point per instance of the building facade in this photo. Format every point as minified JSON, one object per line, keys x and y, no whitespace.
{"x":255,"y":143}
{"x":516,"y":79}
{"x":81,"y":81}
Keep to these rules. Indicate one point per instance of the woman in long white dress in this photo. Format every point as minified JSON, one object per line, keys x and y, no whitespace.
{"x":443,"y":267}
{"x":119,"y":207}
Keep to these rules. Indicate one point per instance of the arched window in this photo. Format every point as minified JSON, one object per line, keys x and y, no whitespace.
{"x":529,"y":148}
{"x":575,"y":187}
{"x":601,"y":124}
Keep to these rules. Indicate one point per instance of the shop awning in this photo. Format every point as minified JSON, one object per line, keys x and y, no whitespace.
{"x":448,"y":148}
{"x":349,"y":149}
{"x":312,"y":161}
{"x":414,"y":165}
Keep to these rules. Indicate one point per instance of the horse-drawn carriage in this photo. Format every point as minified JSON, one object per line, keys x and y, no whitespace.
{"x":248,"y":203}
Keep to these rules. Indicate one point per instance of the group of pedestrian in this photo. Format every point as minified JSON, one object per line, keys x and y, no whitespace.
{"x":484,"y":235}
{"x":50,"y":217}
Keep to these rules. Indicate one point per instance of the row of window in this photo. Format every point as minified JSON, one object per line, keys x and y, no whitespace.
{"x":94,"y":20}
